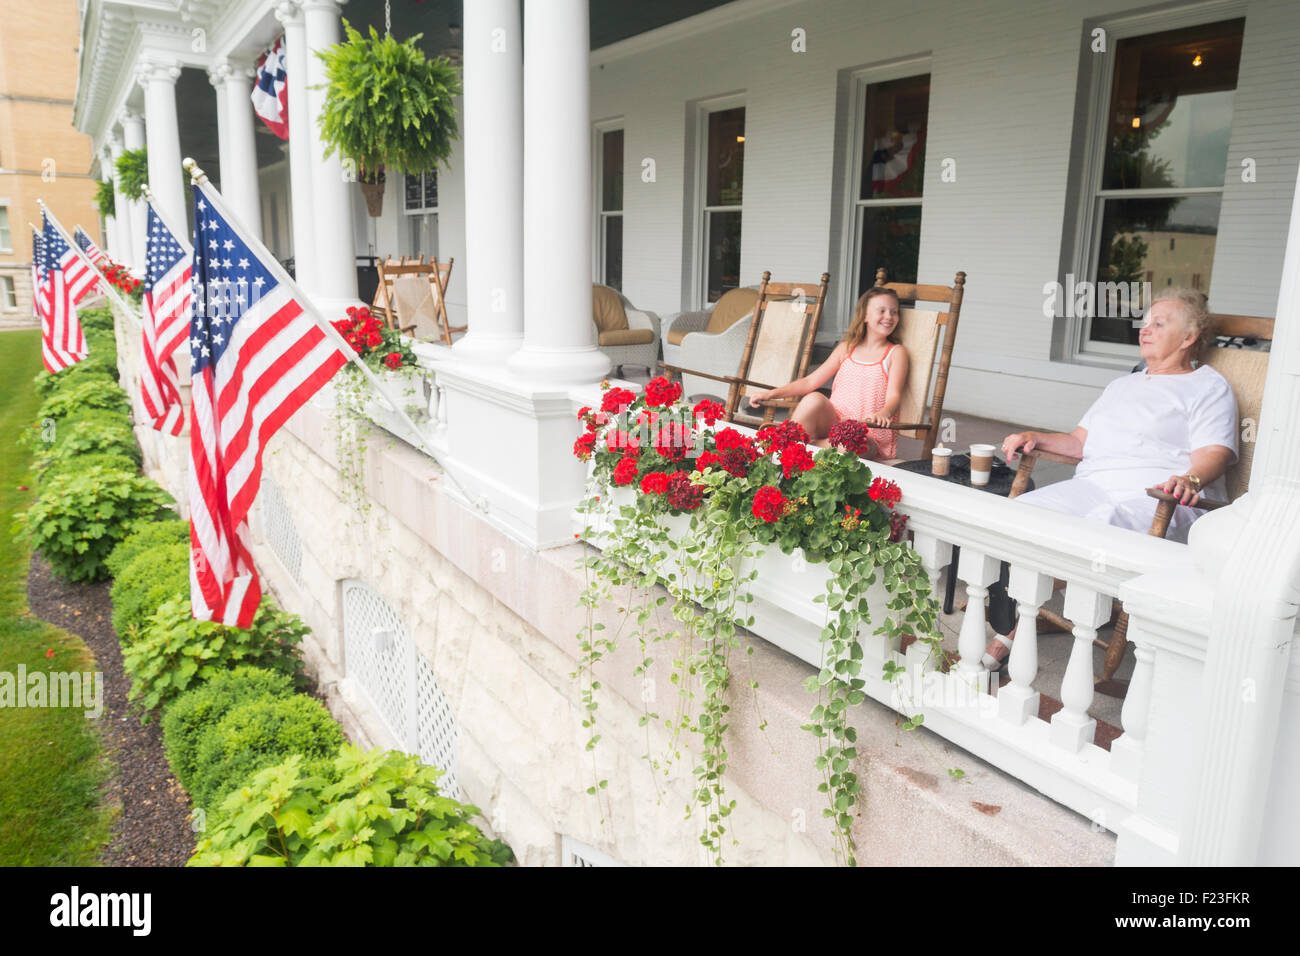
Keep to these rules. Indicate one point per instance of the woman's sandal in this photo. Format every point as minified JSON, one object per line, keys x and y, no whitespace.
{"x":993,"y":664}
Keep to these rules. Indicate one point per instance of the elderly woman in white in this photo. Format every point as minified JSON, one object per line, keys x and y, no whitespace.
{"x":1172,"y":425}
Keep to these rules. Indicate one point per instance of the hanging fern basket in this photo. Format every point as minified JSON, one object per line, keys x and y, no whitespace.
{"x":387,"y":107}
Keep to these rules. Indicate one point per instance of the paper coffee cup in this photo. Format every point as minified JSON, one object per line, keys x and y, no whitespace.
{"x":981,"y":464}
{"x":940,"y":459}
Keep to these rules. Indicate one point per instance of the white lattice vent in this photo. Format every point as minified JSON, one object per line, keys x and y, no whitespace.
{"x":281,"y":532}
{"x":576,"y":853}
{"x":397,"y":681}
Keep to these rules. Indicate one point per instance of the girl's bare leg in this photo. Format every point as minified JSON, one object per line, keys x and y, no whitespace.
{"x":816,"y":414}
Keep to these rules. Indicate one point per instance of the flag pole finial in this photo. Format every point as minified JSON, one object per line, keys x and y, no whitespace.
{"x":197,"y":175}
{"x":146,"y":192}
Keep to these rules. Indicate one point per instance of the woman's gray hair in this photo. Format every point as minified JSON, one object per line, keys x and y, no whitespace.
{"x":1193,"y":308}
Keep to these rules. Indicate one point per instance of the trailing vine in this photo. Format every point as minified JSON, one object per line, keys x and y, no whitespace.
{"x":739,"y":496}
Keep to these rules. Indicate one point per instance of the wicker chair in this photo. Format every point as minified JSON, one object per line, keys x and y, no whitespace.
{"x":710,"y":340}
{"x":628,"y":336}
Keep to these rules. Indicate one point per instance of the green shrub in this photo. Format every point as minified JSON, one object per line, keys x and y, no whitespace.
{"x":106,"y":198}
{"x":47,"y":383}
{"x":174,"y":652}
{"x":133,"y":172}
{"x":140,"y":588}
{"x":151,"y":536}
{"x":100,"y":319}
{"x":81,"y":517}
{"x":101,"y":345}
{"x":84,"y":433}
{"x":68,"y":465}
{"x":260,"y":734}
{"x":385,"y":810}
{"x":85,"y":395}
{"x":197,"y":711}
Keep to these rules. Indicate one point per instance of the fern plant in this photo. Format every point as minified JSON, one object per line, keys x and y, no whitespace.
{"x":387,"y":104}
{"x":105,"y":198}
{"x":133,"y":172}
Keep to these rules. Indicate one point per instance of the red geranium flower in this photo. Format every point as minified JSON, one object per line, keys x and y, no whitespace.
{"x":775,"y":438}
{"x":684,"y":494}
{"x":582,"y":447}
{"x":616,"y":400}
{"x":854,"y":436}
{"x":621,"y":441}
{"x":897,"y":526}
{"x":373,"y":339}
{"x":769,"y":504}
{"x":393,"y":360}
{"x":672,"y":440}
{"x":583,"y":412}
{"x":710,"y":411}
{"x":655,"y":483}
{"x":730,"y":438}
{"x":705,"y":459}
{"x":736,"y":460}
{"x":795,"y":458}
{"x":660,"y":391}
{"x":625,"y":471}
{"x":885,"y":491}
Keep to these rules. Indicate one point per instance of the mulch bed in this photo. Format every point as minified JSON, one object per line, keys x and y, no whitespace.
{"x":154,"y":826}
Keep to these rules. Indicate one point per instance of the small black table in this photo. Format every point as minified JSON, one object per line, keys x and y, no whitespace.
{"x":1000,"y":481}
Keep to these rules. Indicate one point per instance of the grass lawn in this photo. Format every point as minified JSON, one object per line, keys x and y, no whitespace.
{"x":51,"y":769}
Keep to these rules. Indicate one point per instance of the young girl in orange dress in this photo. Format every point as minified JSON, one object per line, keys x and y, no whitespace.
{"x":870,"y":370}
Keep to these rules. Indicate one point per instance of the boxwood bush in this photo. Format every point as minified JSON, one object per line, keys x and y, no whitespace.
{"x":80,"y":517}
{"x":175,"y":652}
{"x":151,"y":536}
{"x":385,"y":810}
{"x":152,"y":577}
{"x":259,"y":734}
{"x":197,"y":711}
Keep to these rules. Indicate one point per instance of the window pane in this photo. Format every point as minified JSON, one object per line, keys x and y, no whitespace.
{"x":431,"y":189}
{"x":10,"y":297}
{"x":893,"y":145}
{"x":1171,"y":108}
{"x":891,"y":237}
{"x":723,"y":252}
{"x":611,"y":173}
{"x":726,"y":158}
{"x":614,"y":252}
{"x":414,"y":191}
{"x":1161,"y":241}
{"x":5,"y":242}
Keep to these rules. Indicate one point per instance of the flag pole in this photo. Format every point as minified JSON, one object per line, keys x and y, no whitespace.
{"x":72,"y":244}
{"x":180,"y":236}
{"x":199,"y":178}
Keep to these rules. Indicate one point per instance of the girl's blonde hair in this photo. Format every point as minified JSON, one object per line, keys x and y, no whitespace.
{"x":857,"y":331}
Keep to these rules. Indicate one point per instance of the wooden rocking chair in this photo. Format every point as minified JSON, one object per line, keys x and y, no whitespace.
{"x":779,"y":345}
{"x":414,"y":298}
{"x":1245,"y":370}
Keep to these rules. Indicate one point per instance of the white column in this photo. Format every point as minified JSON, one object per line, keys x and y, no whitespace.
{"x":559,"y":337}
{"x":304,"y":240}
{"x":112,"y":224}
{"x":216,"y":74}
{"x":335,"y":268}
{"x":238,"y":150}
{"x":133,"y":138}
{"x":166,"y":178}
{"x":493,"y":129}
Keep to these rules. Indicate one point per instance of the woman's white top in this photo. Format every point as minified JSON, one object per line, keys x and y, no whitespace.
{"x":1142,"y":430}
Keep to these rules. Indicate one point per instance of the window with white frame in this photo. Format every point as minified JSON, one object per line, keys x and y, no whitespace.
{"x":1158,"y":159}
{"x":609,"y":208}
{"x":723,"y":179}
{"x":8,"y":295}
{"x":420,"y":208}
{"x":890,"y":178}
{"x":5,"y":238}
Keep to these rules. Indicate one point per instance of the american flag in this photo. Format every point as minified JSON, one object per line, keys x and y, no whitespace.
{"x":271,"y":92}
{"x":256,"y":358}
{"x":167,"y":298}
{"x":78,"y":275}
{"x":62,"y":342}
{"x":92,"y":251}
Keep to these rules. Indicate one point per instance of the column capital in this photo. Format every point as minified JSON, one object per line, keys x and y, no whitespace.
{"x":327,"y":6}
{"x":129,"y":117}
{"x":289,"y":12}
{"x":158,"y":71}
{"x":113,"y":142}
{"x":226,"y":71}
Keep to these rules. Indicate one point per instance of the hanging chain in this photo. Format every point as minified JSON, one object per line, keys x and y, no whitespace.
{"x":388,"y":19}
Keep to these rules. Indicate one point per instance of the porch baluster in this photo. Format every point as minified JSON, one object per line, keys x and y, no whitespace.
{"x":1127,"y":750}
{"x":978,"y":571}
{"x":1071,"y":726}
{"x":1018,"y":701}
